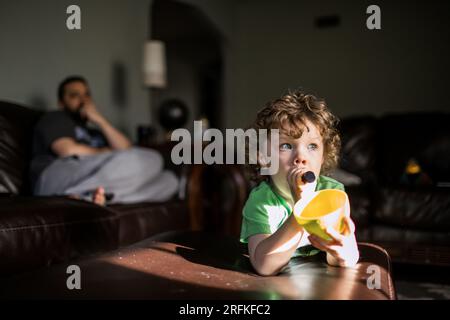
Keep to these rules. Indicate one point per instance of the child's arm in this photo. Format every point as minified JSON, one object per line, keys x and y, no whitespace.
{"x":269,"y":253}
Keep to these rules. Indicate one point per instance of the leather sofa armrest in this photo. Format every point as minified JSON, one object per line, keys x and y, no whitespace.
{"x":216,"y":197}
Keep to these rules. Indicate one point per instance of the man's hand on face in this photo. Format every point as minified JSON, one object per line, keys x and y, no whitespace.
{"x":89,"y":111}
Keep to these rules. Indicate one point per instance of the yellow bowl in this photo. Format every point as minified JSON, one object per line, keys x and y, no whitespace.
{"x":326,"y":208}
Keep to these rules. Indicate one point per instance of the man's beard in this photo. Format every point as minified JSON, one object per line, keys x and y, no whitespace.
{"x":76,"y":115}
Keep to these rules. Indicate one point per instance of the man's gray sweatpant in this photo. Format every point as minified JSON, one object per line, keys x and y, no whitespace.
{"x":133,"y":175}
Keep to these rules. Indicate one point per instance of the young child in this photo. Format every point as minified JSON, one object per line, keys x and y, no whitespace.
{"x":308,"y":141}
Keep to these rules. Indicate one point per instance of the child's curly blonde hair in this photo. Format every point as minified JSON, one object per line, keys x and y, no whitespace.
{"x":288,"y":114}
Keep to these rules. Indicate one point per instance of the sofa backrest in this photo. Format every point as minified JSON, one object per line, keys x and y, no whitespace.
{"x":379,"y":148}
{"x":424,"y":137}
{"x":16,"y":135}
{"x":358,"y":152}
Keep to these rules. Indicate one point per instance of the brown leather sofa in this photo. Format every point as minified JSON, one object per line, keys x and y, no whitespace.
{"x":40,"y":231}
{"x":408,"y":214}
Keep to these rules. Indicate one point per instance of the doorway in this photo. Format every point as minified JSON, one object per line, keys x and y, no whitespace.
{"x":194,"y":58}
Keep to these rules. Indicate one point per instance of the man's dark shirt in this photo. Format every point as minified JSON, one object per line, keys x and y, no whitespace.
{"x":55,"y":125}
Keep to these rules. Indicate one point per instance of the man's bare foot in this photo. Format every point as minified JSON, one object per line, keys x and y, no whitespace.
{"x":98,"y":197}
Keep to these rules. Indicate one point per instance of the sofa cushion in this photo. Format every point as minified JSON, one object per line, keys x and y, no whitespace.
{"x":419,"y":209}
{"x":435,"y":159}
{"x":16,"y":134}
{"x":411,"y":246}
{"x":382,"y":233}
{"x":142,"y":220}
{"x":39,"y":231}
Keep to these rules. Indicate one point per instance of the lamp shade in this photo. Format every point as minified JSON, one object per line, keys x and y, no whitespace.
{"x":154,"y":64}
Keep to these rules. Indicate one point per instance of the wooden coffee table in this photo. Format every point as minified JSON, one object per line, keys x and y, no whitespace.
{"x":197,"y":265}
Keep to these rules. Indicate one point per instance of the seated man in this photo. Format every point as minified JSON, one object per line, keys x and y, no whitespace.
{"x":70,"y":158}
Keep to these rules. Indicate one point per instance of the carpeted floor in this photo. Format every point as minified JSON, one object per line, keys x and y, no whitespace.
{"x":421,"y":282}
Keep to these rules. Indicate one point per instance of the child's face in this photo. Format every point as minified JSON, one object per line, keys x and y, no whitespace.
{"x":305,"y":153}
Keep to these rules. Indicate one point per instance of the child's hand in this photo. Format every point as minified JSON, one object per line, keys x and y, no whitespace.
{"x":296,"y":184}
{"x":342,"y":249}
